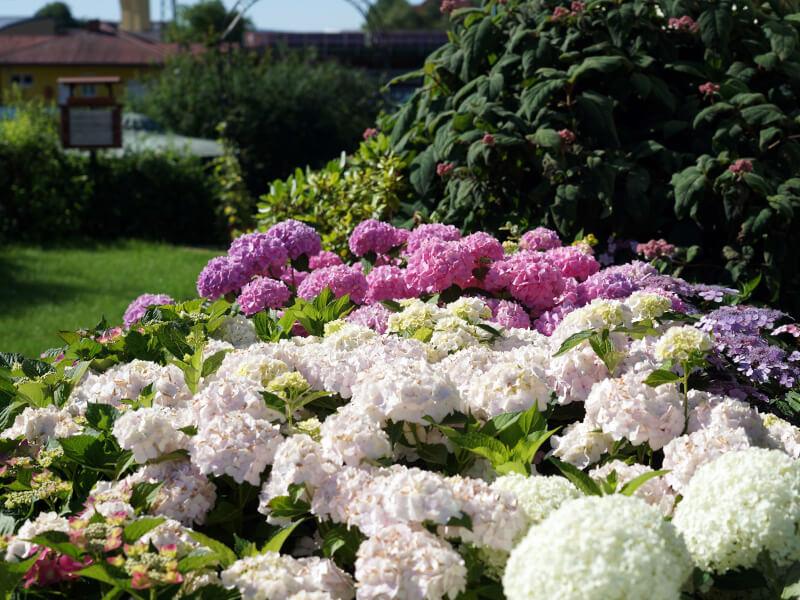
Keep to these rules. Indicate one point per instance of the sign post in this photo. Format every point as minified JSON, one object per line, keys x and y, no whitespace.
{"x":91,"y":122}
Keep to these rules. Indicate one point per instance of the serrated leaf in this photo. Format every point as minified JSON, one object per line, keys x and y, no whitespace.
{"x":144,"y":494}
{"x":226,"y":556}
{"x":135,"y":530}
{"x":634,"y":484}
{"x":277,"y":541}
{"x":574,"y":340}
{"x":213,"y":362}
{"x":578,"y":478}
{"x":661,"y":377}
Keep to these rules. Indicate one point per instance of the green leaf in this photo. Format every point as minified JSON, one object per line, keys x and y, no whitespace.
{"x":599,"y":64}
{"x":716,"y":23}
{"x":578,"y":478}
{"x":574,"y":340}
{"x":285,"y":507}
{"x":782,"y":37}
{"x":660,"y":377}
{"x":144,"y":494}
{"x":634,"y":484}
{"x":423,"y":170}
{"x":526,"y":449}
{"x":11,"y":574}
{"x":690,"y":185}
{"x":483,"y":445}
{"x":58,"y":541}
{"x":226,"y":556}
{"x":213,"y":362}
{"x":605,"y":350}
{"x":546,"y":138}
{"x":197,"y":560}
{"x":101,"y":416}
{"x":140,"y":527}
{"x":276,"y":542}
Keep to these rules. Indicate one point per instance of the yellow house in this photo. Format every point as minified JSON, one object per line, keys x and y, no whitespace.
{"x":34,"y":63}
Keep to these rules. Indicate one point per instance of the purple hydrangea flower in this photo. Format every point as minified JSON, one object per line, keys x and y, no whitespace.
{"x":608,"y":284}
{"x":529,"y":277}
{"x":222,"y":275}
{"x":374,"y":316}
{"x":297,"y":237}
{"x":509,"y":314}
{"x":139,"y":306}
{"x":376,"y":237}
{"x":540,"y":239}
{"x":387,"y":283}
{"x":263,"y":293}
{"x":258,"y":253}
{"x":340,"y":279}
{"x":436,"y":265}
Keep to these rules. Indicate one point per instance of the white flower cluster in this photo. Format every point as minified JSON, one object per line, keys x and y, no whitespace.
{"x":599,"y":547}
{"x":19,"y":547}
{"x":537,"y":496}
{"x":149,"y":433}
{"x":678,"y":344}
{"x":739,"y":506}
{"x":40,"y":425}
{"x":273,"y":576}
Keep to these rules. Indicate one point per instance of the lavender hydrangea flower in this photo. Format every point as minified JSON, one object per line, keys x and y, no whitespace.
{"x":259,"y":252}
{"x":263,"y":293}
{"x":222,"y":275}
{"x":374,"y":316}
{"x":431,"y":231}
{"x":340,"y":279}
{"x":374,"y":236}
{"x":326,"y":258}
{"x":608,"y":284}
{"x":139,"y":306}
{"x":297,"y":237}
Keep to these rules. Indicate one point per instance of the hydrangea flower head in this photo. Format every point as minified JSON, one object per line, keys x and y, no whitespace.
{"x":574,"y":261}
{"x":679,"y":344}
{"x":324,"y":259}
{"x":387,"y":283}
{"x":373,"y":236}
{"x":139,"y":306}
{"x":258,"y":252}
{"x":438,"y":231}
{"x":341,"y":280}
{"x":222,"y":275}
{"x":436,"y":265}
{"x":262,"y":293}
{"x":540,"y":239}
{"x":298,"y":238}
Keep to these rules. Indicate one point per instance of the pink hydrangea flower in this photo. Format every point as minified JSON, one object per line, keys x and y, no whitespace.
{"x":509,"y":314}
{"x":290,"y":276}
{"x":342,"y":280}
{"x":684,"y":23}
{"x":529,"y":277}
{"x":559,"y":13}
{"x":139,"y":306}
{"x":708,"y":89}
{"x":436,"y":265}
{"x":222,"y":275}
{"x":258,"y":253}
{"x":448,"y":6}
{"x":488,"y":139}
{"x":444,"y":169}
{"x":376,"y":237}
{"x":482,"y":249}
{"x":577,"y":7}
{"x":541,"y":239}
{"x":437,"y":231}
{"x":567,"y":136}
{"x":324,"y":259}
{"x":51,"y":568}
{"x":387,"y":283}
{"x":574,"y":261}
{"x":369,"y":133}
{"x":263,"y":293}
{"x":297,"y":237}
{"x":374,"y":316}
{"x":655,"y":249}
{"x":741,"y":166}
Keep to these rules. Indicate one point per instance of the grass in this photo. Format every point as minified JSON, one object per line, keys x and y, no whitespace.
{"x":45,"y":290}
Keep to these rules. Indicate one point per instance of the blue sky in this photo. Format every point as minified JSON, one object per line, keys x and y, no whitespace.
{"x":298,"y":15}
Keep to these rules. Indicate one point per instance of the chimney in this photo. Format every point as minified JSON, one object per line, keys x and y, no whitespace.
{"x":135,"y":16}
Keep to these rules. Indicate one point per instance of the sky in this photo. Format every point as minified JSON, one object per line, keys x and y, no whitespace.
{"x":295,"y":15}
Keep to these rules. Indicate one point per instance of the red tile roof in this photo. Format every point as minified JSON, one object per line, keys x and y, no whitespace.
{"x":83,"y":47}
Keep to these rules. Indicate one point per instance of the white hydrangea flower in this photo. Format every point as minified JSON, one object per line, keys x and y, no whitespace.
{"x":413,"y":564}
{"x":415,"y":315}
{"x":627,"y":408}
{"x":238,"y":331}
{"x":599,"y":547}
{"x":40,"y":425}
{"x":726,"y":413}
{"x":353,"y":434}
{"x":508,"y":386}
{"x":346,"y":497}
{"x":149,"y":433}
{"x":19,"y":548}
{"x":782,"y":435}
{"x":235,"y":444}
{"x":346,"y":336}
{"x":272,"y":576}
{"x":598,"y":314}
{"x":497,"y":520}
{"x":472,"y":310}
{"x":739,"y":506}
{"x":573,"y":374}
{"x":538,"y":495}
{"x":515,"y":338}
{"x":647,"y":305}
{"x":222,"y":397}
{"x":171,"y":533}
{"x":252,"y":365}
{"x":186,"y":494}
{"x":655,"y":492}
{"x":406,"y":390}
{"x":685,"y":454}
{"x":679,"y":343}
{"x":581,"y":444}
{"x":462,"y":366}
{"x":451,"y":335}
{"x":298,"y":460}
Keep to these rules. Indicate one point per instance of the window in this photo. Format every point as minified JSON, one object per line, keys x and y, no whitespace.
{"x":23,"y":80}
{"x":88,"y":91}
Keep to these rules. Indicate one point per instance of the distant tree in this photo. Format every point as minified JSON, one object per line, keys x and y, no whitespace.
{"x":401,"y":14}
{"x":205,"y":22}
{"x":60,"y":13}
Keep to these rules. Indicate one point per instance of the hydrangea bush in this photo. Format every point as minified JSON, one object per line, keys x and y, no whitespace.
{"x":443,"y":416}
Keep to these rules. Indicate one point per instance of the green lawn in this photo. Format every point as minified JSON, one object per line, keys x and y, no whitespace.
{"x":45,"y":290}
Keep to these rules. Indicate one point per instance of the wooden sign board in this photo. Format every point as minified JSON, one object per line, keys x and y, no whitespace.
{"x":91,"y":122}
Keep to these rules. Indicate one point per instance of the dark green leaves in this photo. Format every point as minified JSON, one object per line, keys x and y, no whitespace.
{"x":661,"y":377}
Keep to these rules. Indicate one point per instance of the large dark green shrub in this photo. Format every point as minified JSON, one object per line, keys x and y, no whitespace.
{"x":654,"y":154}
{"x":280,"y":113}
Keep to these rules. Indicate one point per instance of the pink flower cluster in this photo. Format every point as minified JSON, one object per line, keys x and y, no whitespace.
{"x":684,"y":23}
{"x":137,"y":309}
{"x":51,"y":568}
{"x":375,"y":237}
{"x":708,"y":89}
{"x":655,"y":249}
{"x":448,"y":6}
{"x":741,"y":166}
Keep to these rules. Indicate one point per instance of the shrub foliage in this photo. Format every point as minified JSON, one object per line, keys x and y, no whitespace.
{"x":640,"y":118}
